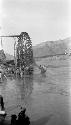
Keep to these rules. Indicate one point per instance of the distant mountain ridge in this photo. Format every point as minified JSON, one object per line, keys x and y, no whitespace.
{"x":48,"y":48}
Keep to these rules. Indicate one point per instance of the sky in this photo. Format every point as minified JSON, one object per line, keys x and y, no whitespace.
{"x":44,"y":20}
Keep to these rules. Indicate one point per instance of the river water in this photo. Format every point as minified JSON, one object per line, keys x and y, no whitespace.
{"x":47,"y":97}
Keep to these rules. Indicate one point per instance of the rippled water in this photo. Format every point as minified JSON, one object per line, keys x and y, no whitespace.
{"x":42,"y":96}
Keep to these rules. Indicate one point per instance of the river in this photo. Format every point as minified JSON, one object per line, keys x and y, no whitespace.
{"x":47,"y":98}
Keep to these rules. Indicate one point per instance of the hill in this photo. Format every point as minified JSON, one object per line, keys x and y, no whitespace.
{"x":49,"y":48}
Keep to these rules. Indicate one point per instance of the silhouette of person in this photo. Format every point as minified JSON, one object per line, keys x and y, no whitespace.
{"x":1,"y":103}
{"x":22,"y":118}
{"x":13,"y":119}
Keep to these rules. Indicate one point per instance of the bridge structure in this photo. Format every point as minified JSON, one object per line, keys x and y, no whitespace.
{"x":23,"y":52}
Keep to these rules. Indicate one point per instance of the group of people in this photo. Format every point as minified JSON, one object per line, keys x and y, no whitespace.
{"x":43,"y":68}
{"x":21,"y":119}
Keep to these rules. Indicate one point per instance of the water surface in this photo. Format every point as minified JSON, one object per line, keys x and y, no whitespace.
{"x":46,"y":97}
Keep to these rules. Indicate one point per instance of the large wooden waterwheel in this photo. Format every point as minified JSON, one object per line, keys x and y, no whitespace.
{"x":24,"y":52}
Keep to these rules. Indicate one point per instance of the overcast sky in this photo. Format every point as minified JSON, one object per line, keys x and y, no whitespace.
{"x":43,"y":19}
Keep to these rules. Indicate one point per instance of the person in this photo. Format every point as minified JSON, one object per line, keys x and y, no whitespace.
{"x":1,"y":103}
{"x":40,"y":67}
{"x":43,"y":69}
{"x":13,"y":119}
{"x":23,"y":118}
{"x":0,"y":75}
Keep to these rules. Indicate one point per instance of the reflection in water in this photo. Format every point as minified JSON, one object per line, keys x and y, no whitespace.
{"x":16,"y":92}
{"x":43,"y":75}
{"x":26,"y":87}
